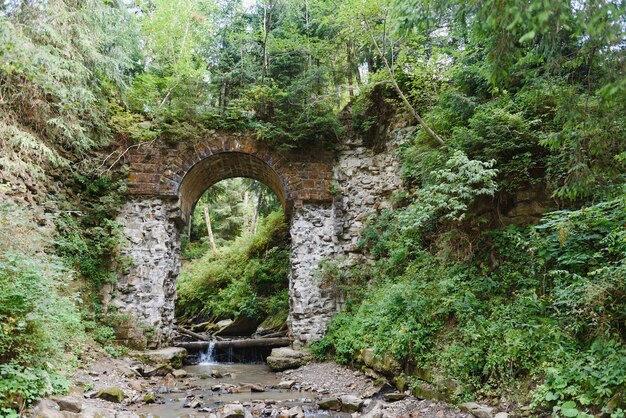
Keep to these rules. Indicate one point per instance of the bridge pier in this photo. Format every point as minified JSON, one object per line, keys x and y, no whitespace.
{"x":313,"y":239}
{"x":146,"y":293}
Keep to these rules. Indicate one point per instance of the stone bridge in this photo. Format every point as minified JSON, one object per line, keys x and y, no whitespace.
{"x":165,"y":182}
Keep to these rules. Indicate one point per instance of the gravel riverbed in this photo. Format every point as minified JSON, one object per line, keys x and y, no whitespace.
{"x":314,"y":390}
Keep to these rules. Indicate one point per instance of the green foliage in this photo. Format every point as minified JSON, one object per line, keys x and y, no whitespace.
{"x":40,"y":328}
{"x":89,"y":237}
{"x":285,"y":118}
{"x":451,"y":191}
{"x":67,"y":57}
{"x":581,"y":381}
{"x":537,"y":87}
{"x":208,"y":67}
{"x":248,"y":278}
{"x":540,"y":306}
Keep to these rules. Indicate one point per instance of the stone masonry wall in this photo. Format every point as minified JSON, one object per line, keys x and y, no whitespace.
{"x":366,"y":179}
{"x":312,"y":240}
{"x":148,"y":291}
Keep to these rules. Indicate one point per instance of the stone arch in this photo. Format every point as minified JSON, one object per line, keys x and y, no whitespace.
{"x":165,"y":182}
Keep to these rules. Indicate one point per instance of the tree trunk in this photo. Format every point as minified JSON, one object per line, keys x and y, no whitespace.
{"x":191,"y":333}
{"x":244,"y":343}
{"x":392,"y":79}
{"x":247,"y":224}
{"x":308,"y":39}
{"x":255,"y":217}
{"x":207,"y":218}
{"x":350,"y":70}
{"x":268,"y":7}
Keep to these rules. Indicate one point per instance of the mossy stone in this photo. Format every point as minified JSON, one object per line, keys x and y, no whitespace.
{"x":111,"y":394}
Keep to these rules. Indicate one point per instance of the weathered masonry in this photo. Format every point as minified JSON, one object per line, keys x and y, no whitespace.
{"x":166,"y":181}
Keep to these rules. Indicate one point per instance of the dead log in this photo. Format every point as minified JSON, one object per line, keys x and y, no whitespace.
{"x":201,"y":326}
{"x":190,"y":333}
{"x":274,"y":334}
{"x":245,"y":343}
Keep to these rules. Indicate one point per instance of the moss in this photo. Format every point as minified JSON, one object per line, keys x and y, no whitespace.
{"x":111,"y":394}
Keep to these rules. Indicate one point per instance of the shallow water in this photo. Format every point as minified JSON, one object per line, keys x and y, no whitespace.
{"x":234,"y":374}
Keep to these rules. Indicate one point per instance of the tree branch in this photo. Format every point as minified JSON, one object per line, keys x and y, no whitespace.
{"x":392,"y":79}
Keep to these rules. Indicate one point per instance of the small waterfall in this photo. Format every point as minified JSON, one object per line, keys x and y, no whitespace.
{"x":208,"y":356}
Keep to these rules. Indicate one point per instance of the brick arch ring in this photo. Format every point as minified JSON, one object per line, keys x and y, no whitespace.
{"x":184,"y":171}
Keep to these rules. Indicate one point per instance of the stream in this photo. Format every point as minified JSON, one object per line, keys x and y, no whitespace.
{"x":213,"y":385}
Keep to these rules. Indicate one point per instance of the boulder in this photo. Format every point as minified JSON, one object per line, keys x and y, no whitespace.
{"x":384,"y":364}
{"x":241,"y":326}
{"x":351,"y":403}
{"x":47,"y":409}
{"x":192,"y":402}
{"x":136,"y":385}
{"x":173,"y":356}
{"x":479,"y":411}
{"x":96,"y":412}
{"x":286,"y":358}
{"x":295,"y":412}
{"x":286,"y":384}
{"x":375,"y":411}
{"x":149,"y":397}
{"x":162,"y":370}
{"x":179,"y":374}
{"x":239,"y":389}
{"x":424,"y":390}
{"x":68,"y":404}
{"x":233,"y":411}
{"x":255,"y":388}
{"x":111,"y":394}
{"x":333,"y":404}
{"x":393,"y":397}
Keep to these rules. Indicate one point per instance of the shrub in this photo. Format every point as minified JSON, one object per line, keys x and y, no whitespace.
{"x":40,"y":328}
{"x":535,"y":307}
{"x":248,"y":277}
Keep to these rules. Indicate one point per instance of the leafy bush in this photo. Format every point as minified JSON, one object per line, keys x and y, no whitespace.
{"x":536,"y":307}
{"x":40,"y":327}
{"x":595,"y":377}
{"x":248,"y":278}
{"x":450,"y":192}
{"x":89,"y":237}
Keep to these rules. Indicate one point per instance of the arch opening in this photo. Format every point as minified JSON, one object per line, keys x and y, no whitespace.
{"x":235,"y":264}
{"x":218,"y":167}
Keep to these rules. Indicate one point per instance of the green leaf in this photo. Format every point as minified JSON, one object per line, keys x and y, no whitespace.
{"x":551,"y":396}
{"x":568,"y":409}
{"x":527,"y":36}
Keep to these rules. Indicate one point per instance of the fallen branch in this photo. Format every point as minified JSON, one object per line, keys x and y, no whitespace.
{"x":200,"y":326}
{"x":122,"y":154}
{"x":246,"y":343}
{"x":191,"y":333}
{"x":274,"y":334}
